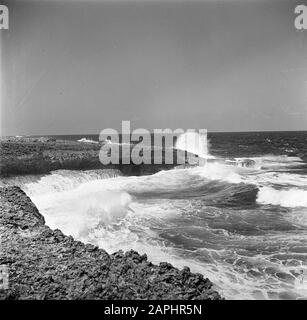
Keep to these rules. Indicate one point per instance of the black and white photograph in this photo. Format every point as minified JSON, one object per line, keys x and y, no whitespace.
{"x":153,"y":150}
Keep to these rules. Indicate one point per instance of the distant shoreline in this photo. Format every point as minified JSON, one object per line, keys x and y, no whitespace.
{"x":28,"y":155}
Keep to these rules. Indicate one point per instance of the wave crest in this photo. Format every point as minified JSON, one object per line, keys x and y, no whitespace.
{"x":61,"y":180}
{"x":85,"y":140}
{"x":286,"y":198}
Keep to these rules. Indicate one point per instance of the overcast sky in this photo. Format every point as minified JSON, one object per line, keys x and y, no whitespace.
{"x":82,"y":66}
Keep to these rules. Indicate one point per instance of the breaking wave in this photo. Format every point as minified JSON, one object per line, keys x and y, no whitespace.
{"x":195,"y":143}
{"x":85,"y":140}
{"x":58,"y":180}
{"x":231,"y":221}
{"x":286,"y":198}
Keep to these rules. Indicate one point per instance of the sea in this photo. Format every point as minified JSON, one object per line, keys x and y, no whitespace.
{"x":240,"y":219}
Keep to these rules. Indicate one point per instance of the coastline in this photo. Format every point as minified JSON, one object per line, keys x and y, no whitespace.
{"x":46,"y":264}
{"x":21,"y":156}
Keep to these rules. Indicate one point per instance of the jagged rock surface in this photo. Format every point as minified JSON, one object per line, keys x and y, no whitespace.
{"x":45,"y":264}
{"x":21,"y":156}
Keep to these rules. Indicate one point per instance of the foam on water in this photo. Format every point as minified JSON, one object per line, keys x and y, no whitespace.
{"x":274,"y":161}
{"x":85,"y":140}
{"x":172,"y":217}
{"x":77,"y":213}
{"x":61,"y":180}
{"x":285,"y":198}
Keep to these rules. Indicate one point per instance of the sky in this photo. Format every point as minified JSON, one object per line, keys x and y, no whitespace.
{"x":73,"y":67}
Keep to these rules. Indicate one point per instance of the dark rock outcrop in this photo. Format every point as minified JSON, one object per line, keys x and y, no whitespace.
{"x":46,"y":264}
{"x":20,"y":156}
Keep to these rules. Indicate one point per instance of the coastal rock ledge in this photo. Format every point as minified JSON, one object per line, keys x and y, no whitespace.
{"x":46,"y":264}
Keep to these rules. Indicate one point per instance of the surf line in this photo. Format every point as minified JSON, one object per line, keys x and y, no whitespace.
{"x":132,"y":311}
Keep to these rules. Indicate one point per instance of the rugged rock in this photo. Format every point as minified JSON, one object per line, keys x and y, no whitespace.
{"x":46,"y":264}
{"x":21,"y":156}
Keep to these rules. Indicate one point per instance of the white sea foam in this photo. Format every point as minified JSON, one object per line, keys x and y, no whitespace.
{"x":61,"y":180}
{"x":279,"y":179}
{"x":273,"y":161}
{"x":219,"y":171}
{"x":287,"y":198}
{"x":77,"y":212}
{"x":109,"y":213}
{"x":195,"y":143}
{"x":85,"y":140}
{"x":108,"y":141}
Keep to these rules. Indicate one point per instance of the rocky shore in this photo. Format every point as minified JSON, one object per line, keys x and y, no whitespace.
{"x":46,"y":264}
{"x":24,"y":155}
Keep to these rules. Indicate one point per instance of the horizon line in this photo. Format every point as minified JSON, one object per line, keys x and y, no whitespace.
{"x":151,"y":131}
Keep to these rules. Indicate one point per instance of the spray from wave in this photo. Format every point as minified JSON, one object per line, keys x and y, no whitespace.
{"x":85,"y":140}
{"x":195,"y":143}
{"x":58,"y":180}
{"x":232,"y":219}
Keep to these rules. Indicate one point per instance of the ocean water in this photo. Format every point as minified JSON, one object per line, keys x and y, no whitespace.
{"x":242,"y":226}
